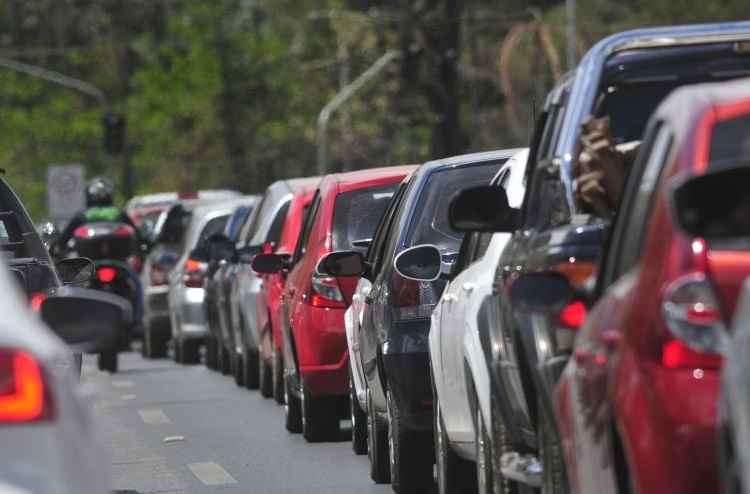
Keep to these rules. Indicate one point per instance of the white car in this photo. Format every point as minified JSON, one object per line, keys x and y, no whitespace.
{"x":459,"y":366}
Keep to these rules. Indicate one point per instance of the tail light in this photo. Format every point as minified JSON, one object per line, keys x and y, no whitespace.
{"x":412,"y":300}
{"x":573,"y":315}
{"x":691,"y":312}
{"x":325,"y":293}
{"x":195,"y":272}
{"x":124,"y":231}
{"x":158,"y":275}
{"x":83,"y":232}
{"x":36,"y":300}
{"x":106,"y":274}
{"x":22,"y":390}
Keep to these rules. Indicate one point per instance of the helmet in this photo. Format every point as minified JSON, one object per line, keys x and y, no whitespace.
{"x":99,"y":192}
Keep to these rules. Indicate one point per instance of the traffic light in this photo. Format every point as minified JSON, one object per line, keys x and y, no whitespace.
{"x":114,"y":133}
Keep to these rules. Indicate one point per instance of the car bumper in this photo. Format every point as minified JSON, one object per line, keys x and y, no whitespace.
{"x":190,"y":313}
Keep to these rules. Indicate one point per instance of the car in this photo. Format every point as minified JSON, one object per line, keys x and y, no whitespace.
{"x":458,"y":364}
{"x":393,"y":353}
{"x":238,"y":349}
{"x":620,"y":81}
{"x":216,"y":309}
{"x":186,"y":293}
{"x":269,"y":298}
{"x":344,"y":213}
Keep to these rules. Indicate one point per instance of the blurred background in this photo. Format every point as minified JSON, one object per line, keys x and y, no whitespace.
{"x":187,"y":94}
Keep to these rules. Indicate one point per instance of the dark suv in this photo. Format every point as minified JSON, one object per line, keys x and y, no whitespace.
{"x":623,"y":77}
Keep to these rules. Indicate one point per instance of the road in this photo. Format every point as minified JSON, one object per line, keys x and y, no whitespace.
{"x":185,"y":429}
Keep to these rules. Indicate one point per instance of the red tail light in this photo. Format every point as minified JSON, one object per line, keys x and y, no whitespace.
{"x":573,"y":315}
{"x":22,"y":390}
{"x":412,"y":300}
{"x":123,"y":231}
{"x":158,"y":275}
{"x":83,"y":232}
{"x":325,"y":293}
{"x":106,"y":274}
{"x":195,"y":272}
{"x":36,"y":300}
{"x":677,"y":355}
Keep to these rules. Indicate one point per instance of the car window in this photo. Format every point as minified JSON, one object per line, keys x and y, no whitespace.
{"x":730,"y":143}
{"x":301,"y":248}
{"x":214,"y":225}
{"x":377,"y":250}
{"x":274,"y":233}
{"x":251,"y":224}
{"x":356,"y":215}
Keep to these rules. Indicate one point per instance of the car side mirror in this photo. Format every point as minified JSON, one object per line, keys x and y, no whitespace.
{"x":544,"y":292}
{"x":342,"y":263}
{"x":76,"y":271}
{"x":270,"y":263}
{"x":220,"y":248}
{"x":87,"y":320}
{"x":419,"y":263}
{"x":246,"y":254}
{"x":715,"y":206}
{"x":483,"y":209}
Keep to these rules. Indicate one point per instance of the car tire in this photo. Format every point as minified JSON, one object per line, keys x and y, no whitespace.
{"x":177,"y":355}
{"x":550,"y":452}
{"x":377,"y":446}
{"x":265,"y":379}
{"x":225,"y":362}
{"x":292,"y":410}
{"x":359,"y":420}
{"x":153,"y":345}
{"x":250,"y":367}
{"x":320,"y":420}
{"x":454,"y":475}
{"x":277,"y":366}
{"x":107,"y":361}
{"x":410,"y":455}
{"x":212,"y":354}
{"x":190,"y":352}
{"x":238,"y":369}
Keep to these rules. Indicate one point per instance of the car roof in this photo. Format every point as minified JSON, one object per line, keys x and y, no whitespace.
{"x":467,"y":159}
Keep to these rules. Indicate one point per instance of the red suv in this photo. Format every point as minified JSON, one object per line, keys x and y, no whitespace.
{"x":344,"y":213}
{"x":269,"y":300}
{"x":636,"y":406}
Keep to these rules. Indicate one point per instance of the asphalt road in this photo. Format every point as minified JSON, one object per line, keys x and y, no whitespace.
{"x":185,"y":429}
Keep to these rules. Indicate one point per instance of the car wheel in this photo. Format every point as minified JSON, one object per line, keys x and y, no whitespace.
{"x":359,"y":420}
{"x":238,"y":368}
{"x":454,"y":475}
{"x":377,"y":446}
{"x":212,"y":357}
{"x":107,"y":361}
{"x":320,"y":420}
{"x":190,"y":351}
{"x":278,"y":376}
{"x":250,"y":366}
{"x":265,"y":382}
{"x":177,"y":355}
{"x":550,"y":452}
{"x":292,"y":410}
{"x":410,"y":453}
{"x":225,"y":362}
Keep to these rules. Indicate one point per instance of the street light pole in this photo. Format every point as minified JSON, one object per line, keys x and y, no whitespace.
{"x":570,"y":34}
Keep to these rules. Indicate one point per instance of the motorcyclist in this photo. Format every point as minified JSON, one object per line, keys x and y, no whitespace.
{"x":100,"y":207}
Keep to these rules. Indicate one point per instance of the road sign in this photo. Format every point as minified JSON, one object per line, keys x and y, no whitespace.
{"x":66,"y":194}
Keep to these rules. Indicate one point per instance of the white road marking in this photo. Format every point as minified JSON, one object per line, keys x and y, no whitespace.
{"x":127,"y":397}
{"x":123,"y":384}
{"x":154,"y":416}
{"x":173,"y":439}
{"x":211,"y":473}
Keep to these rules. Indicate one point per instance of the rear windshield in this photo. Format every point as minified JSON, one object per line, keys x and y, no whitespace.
{"x":357,"y":214}
{"x":214,"y":225}
{"x":730,"y":144}
{"x":430,"y":224}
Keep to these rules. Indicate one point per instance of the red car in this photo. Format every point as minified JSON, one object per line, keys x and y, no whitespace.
{"x":636,"y":404}
{"x":269,"y":299}
{"x":344,"y":213}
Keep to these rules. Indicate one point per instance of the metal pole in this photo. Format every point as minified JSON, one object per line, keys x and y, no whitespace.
{"x":570,"y":13}
{"x":342,"y":97}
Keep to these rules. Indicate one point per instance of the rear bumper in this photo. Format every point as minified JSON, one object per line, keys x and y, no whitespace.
{"x":408,"y":376}
{"x":157,"y":302}
{"x":322,"y":352}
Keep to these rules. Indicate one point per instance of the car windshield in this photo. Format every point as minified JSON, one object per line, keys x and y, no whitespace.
{"x":356,"y":216}
{"x":430,"y":224}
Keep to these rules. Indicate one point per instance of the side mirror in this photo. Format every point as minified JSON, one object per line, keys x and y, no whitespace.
{"x":270,"y":263}
{"x":483,"y":209}
{"x":76,"y":271}
{"x":88,"y":320}
{"x":342,"y":263}
{"x":541,"y":292}
{"x":246,"y":254}
{"x":715,"y":206}
{"x":220,"y":248}
{"x":419,"y":263}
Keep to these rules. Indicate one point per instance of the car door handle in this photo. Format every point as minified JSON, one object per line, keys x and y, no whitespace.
{"x":468,"y":287}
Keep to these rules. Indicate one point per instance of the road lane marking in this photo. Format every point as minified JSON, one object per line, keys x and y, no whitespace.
{"x":211,"y":474}
{"x":173,"y":439}
{"x":154,"y":416}
{"x":127,"y":397}
{"x":123,"y":384}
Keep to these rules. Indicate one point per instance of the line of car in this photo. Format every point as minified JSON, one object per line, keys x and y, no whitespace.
{"x":482,"y":325}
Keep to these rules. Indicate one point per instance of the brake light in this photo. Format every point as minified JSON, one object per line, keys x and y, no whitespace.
{"x":158,"y":275}
{"x":676,"y":355}
{"x":22,"y":390}
{"x":36,"y":300}
{"x":573,"y":315}
{"x":412,"y":300}
{"x":577,"y":272}
{"x":123,"y":231}
{"x":325,"y":293}
{"x":195,"y":271}
{"x":106,"y":274}
{"x":83,"y":232}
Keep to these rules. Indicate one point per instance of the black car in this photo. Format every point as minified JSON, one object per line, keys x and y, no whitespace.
{"x":396,"y":320}
{"x":624,"y":78}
